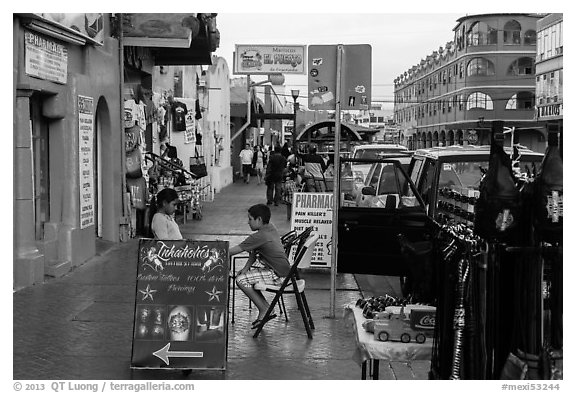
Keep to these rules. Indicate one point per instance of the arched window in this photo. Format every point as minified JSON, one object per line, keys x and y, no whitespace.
{"x":479,"y":100}
{"x":530,"y":37}
{"x":479,"y":66}
{"x":512,"y":33}
{"x":521,"y":100}
{"x":522,"y":66}
{"x":481,"y":34}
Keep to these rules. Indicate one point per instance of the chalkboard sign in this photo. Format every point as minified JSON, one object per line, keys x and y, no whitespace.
{"x":180,"y":313}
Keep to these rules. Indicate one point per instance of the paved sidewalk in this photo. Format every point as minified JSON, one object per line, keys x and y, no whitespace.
{"x":80,"y":326}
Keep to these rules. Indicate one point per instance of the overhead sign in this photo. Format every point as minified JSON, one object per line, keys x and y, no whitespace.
{"x":356,"y":77}
{"x":45,"y":59}
{"x":269,"y":59}
{"x":180,"y":318}
{"x":86,"y":161}
{"x":315,"y":209}
{"x":322,"y":77}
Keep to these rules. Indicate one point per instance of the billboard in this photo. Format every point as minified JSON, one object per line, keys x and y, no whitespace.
{"x":269,"y":59}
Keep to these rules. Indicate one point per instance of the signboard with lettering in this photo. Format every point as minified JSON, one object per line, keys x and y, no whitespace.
{"x":356,"y":77}
{"x":269,"y":59}
{"x":86,"y":161}
{"x":315,"y":209}
{"x":45,"y":59}
{"x":180,"y":318}
{"x":550,"y":111}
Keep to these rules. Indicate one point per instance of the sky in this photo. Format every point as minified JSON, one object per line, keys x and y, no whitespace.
{"x":398,"y":40}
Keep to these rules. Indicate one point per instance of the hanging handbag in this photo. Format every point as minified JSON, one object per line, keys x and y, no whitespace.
{"x":198,"y":166}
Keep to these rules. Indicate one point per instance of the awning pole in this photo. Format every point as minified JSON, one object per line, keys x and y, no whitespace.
{"x":336,"y":186}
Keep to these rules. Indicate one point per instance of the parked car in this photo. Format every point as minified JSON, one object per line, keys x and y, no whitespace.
{"x":371,"y":151}
{"x":394,"y":207}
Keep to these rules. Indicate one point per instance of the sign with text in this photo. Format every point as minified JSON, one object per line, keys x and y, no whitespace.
{"x":269,"y":59}
{"x":45,"y":59}
{"x":315,"y":209}
{"x":86,"y":160}
{"x":180,"y":317}
{"x":356,"y":77}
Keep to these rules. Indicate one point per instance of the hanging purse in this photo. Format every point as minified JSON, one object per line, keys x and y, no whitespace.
{"x":198,"y":166}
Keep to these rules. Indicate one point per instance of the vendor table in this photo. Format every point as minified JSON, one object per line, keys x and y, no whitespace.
{"x":369,"y":349}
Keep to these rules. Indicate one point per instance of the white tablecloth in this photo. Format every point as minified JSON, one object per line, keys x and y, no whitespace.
{"x":367,"y":347}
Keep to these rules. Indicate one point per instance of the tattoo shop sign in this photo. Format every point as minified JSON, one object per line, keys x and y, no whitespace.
{"x":180,"y":317}
{"x":315,"y":209}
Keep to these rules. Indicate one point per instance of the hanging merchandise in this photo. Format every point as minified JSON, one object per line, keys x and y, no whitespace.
{"x":497,"y":213}
{"x":198,"y":165}
{"x":198,"y":133}
{"x":131,"y":138}
{"x":134,"y":164}
{"x":548,"y":193}
{"x":138,"y":192}
{"x":179,"y":111}
{"x":198,"y":115}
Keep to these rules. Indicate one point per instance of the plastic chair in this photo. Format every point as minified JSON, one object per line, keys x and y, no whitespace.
{"x":294,"y":285}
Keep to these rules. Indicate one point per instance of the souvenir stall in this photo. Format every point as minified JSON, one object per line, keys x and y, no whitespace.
{"x":154,"y":124}
{"x":499,"y":307}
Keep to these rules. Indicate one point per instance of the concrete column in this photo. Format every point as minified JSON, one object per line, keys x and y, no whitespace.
{"x":28,"y":260}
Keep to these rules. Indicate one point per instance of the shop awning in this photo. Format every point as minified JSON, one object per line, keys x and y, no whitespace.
{"x":174,"y":39}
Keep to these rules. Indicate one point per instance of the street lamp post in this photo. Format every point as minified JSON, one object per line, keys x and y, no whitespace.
{"x":295,"y":94}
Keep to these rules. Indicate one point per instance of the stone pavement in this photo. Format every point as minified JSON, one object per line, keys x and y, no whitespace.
{"x":80,"y":326}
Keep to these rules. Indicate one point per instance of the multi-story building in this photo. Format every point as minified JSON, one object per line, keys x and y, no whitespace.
{"x":486,"y":73}
{"x":549,"y":70}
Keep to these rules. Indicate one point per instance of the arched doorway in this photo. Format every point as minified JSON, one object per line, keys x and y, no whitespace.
{"x":103,"y":172}
{"x":450,"y":138}
{"x":442,"y":140}
{"x":459,"y":137}
{"x":428,"y":139}
{"x":435,"y":139}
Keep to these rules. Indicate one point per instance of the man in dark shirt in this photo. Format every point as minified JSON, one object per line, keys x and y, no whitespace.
{"x":273,"y":178}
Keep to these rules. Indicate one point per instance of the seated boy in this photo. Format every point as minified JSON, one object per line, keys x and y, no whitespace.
{"x":265,"y":247}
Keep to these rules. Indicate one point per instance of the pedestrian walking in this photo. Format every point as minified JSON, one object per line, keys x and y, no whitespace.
{"x":246,"y":160}
{"x":164,"y":226}
{"x":286,"y":150}
{"x":258,"y":163}
{"x":273,"y":179}
{"x":267,"y":261}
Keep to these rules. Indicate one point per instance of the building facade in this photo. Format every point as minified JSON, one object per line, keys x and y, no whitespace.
{"x":550,"y":70}
{"x":75,"y":78}
{"x":486,"y":73}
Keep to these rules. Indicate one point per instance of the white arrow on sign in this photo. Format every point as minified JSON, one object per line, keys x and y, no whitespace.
{"x":165,"y":354}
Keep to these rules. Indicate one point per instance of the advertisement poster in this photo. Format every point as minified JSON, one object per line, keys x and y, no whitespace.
{"x":86,"y":160}
{"x":180,"y":313}
{"x":45,"y":59}
{"x":315,"y":209}
{"x":269,"y":59}
{"x":190,"y":132}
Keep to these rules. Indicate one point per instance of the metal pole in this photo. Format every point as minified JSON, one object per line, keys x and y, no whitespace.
{"x":294,"y":129}
{"x":336,"y":186}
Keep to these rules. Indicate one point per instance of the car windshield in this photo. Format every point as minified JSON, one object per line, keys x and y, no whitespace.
{"x":375,"y":153}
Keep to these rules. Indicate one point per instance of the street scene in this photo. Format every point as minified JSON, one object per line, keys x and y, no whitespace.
{"x":197,"y":201}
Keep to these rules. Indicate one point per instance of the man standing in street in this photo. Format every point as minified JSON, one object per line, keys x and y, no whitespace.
{"x":246,"y":160}
{"x":276,"y":166}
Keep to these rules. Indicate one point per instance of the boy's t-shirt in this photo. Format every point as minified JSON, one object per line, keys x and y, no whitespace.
{"x":266,"y":242}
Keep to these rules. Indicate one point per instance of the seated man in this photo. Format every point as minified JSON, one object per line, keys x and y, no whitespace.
{"x":265,"y":247}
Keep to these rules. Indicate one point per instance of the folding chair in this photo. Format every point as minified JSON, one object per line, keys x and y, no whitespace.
{"x":289,"y":240}
{"x":292,"y":284}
